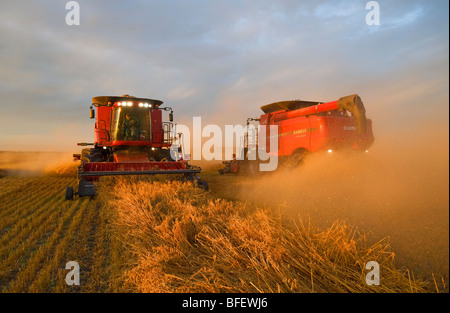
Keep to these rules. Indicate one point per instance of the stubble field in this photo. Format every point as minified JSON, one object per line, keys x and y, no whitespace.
{"x":157,"y":235}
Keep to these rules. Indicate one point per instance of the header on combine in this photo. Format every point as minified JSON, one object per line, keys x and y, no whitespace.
{"x":130,"y":138}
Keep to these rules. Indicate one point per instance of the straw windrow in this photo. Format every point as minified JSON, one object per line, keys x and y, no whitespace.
{"x":178,"y":238}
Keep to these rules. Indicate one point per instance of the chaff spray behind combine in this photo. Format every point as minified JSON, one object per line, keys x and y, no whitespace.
{"x":130,"y":138}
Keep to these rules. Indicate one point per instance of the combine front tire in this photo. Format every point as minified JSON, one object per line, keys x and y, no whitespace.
{"x":164,"y":156}
{"x":69,"y":193}
{"x":91,"y":155}
{"x":296,"y":159}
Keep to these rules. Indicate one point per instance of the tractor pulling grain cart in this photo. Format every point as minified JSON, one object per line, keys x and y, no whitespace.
{"x":130,"y":138}
{"x":306,"y":127}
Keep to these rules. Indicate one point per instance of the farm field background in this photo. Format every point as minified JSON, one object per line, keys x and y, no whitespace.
{"x":121,"y":235}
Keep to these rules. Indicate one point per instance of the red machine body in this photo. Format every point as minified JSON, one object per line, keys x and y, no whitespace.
{"x":308,"y":126}
{"x":323,"y":126}
{"x":153,"y":121}
{"x":130,"y":138}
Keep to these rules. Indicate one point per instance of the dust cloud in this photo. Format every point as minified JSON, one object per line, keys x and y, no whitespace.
{"x":399,"y":189}
{"x":20,"y":163}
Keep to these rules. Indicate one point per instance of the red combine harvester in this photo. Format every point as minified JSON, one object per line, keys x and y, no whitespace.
{"x":130,"y":138}
{"x":306,"y":126}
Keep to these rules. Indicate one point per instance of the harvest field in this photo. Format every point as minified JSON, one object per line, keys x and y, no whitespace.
{"x":156,"y":235}
{"x":346,"y":103}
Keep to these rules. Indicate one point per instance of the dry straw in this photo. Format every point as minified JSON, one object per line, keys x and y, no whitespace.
{"x":178,"y":238}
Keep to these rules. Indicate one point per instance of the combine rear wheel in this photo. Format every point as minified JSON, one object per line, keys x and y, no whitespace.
{"x":69,"y":193}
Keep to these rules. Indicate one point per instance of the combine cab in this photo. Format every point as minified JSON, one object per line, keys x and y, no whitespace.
{"x":130,"y":138}
{"x":305,"y":127}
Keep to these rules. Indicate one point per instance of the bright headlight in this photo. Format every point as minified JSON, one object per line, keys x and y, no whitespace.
{"x":141,"y":105}
{"x":329,"y":151}
{"x":129,"y":104}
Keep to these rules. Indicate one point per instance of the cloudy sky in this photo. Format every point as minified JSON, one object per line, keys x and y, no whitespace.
{"x":218,"y":59}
